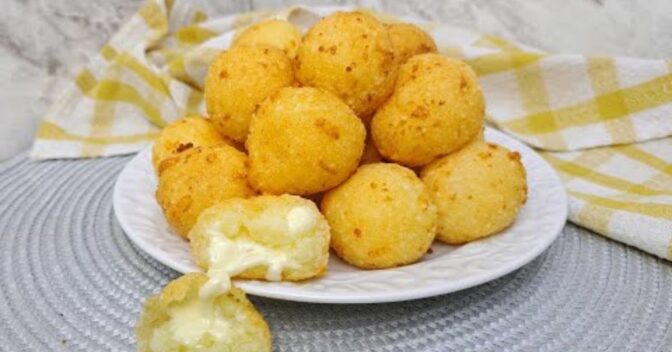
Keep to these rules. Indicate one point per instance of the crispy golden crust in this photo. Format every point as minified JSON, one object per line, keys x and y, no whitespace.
{"x":254,"y":336}
{"x":198,"y":178}
{"x":478,"y":191}
{"x":381,"y":217}
{"x":239,"y":80}
{"x":303,"y":141}
{"x":436,"y":108}
{"x":430,"y":64}
{"x":263,"y":219}
{"x":277,"y":33}
{"x":349,"y":54}
{"x":182,"y":135}
{"x":409,"y":40}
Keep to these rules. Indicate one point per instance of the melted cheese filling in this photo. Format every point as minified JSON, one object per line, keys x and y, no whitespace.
{"x":188,"y":324}
{"x":197,"y":324}
{"x":300,"y":220}
{"x":230,"y":255}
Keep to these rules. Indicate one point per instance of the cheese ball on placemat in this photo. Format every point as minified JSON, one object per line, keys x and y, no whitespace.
{"x":381,"y":217}
{"x":303,"y":141}
{"x":197,"y":179}
{"x":177,"y":320}
{"x":351,"y":55}
{"x":238,"y":80}
{"x":437,"y":107}
{"x":478,"y":191}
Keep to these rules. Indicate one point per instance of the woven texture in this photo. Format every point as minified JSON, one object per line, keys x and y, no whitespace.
{"x":71,"y":281}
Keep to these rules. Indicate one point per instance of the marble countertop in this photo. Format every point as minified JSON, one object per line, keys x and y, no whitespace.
{"x":43,"y":43}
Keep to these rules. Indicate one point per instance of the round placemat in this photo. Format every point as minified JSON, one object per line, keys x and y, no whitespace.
{"x":70,"y":280}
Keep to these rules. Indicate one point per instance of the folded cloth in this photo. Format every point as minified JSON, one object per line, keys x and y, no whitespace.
{"x":604,"y":123}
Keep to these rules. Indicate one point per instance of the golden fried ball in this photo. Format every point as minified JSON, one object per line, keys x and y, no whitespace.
{"x":266,"y":237}
{"x":478,"y":191}
{"x":303,"y":141}
{"x":430,"y":114}
{"x":381,"y":217}
{"x":409,"y":40}
{"x":184,"y":134}
{"x":428,"y":64}
{"x":277,"y":33}
{"x":351,"y":55}
{"x":177,"y":320}
{"x":238,"y":80}
{"x":197,"y":179}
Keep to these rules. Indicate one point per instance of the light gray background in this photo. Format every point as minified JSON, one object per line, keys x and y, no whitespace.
{"x":44,"y":43}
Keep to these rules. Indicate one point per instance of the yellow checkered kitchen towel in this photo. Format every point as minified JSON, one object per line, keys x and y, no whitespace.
{"x":603,"y":123}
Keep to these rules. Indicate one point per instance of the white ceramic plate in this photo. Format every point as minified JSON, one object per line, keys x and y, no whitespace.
{"x":447,"y":269}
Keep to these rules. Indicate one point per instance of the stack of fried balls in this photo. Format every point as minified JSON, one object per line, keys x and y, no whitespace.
{"x":364,"y":119}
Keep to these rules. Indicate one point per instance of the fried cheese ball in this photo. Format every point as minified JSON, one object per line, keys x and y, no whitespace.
{"x":381,"y":217}
{"x":409,"y":40}
{"x":198,"y":178}
{"x":177,"y":320}
{"x":433,"y":112}
{"x":265,"y":237}
{"x":303,"y":141}
{"x":349,"y":54}
{"x":430,"y":64}
{"x":478,"y":191}
{"x":238,"y":80}
{"x":183,"y":134}
{"x":277,"y":33}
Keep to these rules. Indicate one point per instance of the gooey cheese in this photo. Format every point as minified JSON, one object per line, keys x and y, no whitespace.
{"x":229,"y":257}
{"x":300,"y":220}
{"x":188,"y":324}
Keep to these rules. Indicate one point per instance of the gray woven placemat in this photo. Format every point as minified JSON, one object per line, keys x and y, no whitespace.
{"x":71,"y":281}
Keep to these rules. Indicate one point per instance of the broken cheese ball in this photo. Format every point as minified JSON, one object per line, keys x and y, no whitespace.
{"x":178,"y":320}
{"x":266,"y":237}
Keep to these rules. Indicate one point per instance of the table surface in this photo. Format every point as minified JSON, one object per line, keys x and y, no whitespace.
{"x":70,"y":280}
{"x":44,"y":43}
